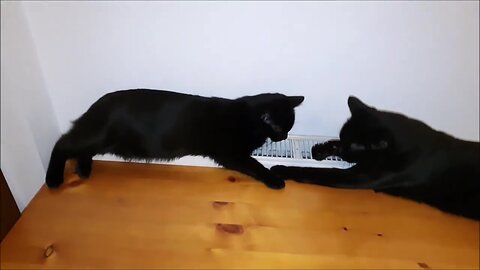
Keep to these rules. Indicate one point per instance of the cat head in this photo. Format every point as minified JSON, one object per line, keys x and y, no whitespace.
{"x":275,"y":113}
{"x":374,"y":133}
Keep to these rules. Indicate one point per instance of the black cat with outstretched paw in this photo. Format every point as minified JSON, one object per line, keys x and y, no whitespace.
{"x":154,"y":124}
{"x":399,"y":156}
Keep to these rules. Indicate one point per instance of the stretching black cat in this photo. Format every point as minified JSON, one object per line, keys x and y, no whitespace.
{"x":400,"y":156}
{"x":153,"y":124}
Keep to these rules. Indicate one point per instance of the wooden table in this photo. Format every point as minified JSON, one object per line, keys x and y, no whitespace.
{"x":159,"y":216}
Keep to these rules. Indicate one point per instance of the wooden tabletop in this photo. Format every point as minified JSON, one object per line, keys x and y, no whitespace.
{"x":160,"y":216}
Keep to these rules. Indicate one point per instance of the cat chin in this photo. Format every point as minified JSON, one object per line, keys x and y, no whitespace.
{"x":279,"y":138}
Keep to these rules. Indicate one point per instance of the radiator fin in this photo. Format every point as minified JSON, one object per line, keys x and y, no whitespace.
{"x":294,"y":147}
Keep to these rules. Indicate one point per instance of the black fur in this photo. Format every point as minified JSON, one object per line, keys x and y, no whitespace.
{"x":399,"y":156}
{"x":153,"y":124}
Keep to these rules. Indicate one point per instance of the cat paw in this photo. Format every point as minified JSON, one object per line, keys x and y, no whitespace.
{"x":322,"y":151}
{"x":83,"y":168}
{"x":275,"y":184}
{"x":280,"y":171}
{"x":285,"y":172}
{"x":54,"y":182}
{"x":278,"y":168}
{"x":83,"y":173}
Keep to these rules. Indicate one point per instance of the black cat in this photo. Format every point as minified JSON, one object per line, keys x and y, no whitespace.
{"x":400,"y":156}
{"x":153,"y":124}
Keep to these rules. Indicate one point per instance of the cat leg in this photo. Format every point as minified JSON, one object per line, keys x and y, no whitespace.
{"x":71,"y":145}
{"x":87,"y":144}
{"x":417,"y":173}
{"x":56,"y":166}
{"x":253,"y":168}
{"x":84,"y":166}
{"x":352,"y":178}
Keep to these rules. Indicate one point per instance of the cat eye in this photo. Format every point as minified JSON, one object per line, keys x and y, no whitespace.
{"x":380,"y":145}
{"x":266,"y":118}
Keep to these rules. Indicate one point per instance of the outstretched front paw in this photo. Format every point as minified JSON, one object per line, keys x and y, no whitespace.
{"x":323,"y":150}
{"x":280,"y":171}
{"x":54,"y":181}
{"x":292,"y":173}
{"x":84,"y":173}
{"x":275,"y":184}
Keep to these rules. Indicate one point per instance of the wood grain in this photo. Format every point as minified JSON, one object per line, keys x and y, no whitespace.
{"x":160,"y":216}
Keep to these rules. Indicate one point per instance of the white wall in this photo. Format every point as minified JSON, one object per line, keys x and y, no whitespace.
{"x":28,"y":124}
{"x":420,"y":58}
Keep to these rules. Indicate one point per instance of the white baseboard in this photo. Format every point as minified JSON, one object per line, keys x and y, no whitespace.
{"x":268,"y":162}
{"x":186,"y":161}
{"x":298,"y":144}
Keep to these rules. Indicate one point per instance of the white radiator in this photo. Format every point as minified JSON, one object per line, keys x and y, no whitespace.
{"x":296,"y":150}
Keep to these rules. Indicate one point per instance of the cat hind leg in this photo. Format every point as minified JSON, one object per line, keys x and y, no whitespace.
{"x":60,"y":153}
{"x":84,"y":166}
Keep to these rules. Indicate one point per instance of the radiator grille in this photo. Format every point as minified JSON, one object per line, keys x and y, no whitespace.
{"x":294,"y":147}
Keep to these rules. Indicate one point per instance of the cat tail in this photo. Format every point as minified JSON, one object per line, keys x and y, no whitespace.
{"x":59,"y":156}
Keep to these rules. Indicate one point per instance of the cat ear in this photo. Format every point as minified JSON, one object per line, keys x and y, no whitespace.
{"x":356,"y":105}
{"x":295,"y":100}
